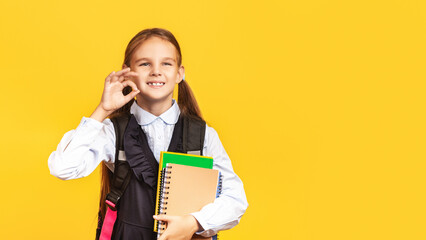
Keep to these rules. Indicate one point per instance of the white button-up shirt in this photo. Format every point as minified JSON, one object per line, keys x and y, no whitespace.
{"x":82,"y":149}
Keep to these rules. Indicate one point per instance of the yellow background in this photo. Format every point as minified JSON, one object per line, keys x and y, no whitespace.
{"x":319,"y":104}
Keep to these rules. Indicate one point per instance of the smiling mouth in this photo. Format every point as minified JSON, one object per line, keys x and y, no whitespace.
{"x":155,"y":84}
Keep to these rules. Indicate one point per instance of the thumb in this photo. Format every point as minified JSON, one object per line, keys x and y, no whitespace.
{"x":131,"y":95}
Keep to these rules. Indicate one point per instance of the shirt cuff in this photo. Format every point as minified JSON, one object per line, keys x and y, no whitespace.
{"x":92,"y":122}
{"x":205,"y":232}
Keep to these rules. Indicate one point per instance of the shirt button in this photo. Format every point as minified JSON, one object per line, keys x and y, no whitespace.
{"x":159,"y":137}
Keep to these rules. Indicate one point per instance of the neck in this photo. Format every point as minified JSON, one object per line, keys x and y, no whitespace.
{"x":156,"y":107}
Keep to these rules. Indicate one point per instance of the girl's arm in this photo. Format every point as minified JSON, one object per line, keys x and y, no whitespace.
{"x":229,"y":207}
{"x":82,"y":149}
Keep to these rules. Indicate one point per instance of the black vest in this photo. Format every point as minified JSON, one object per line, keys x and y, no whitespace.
{"x":137,"y":204}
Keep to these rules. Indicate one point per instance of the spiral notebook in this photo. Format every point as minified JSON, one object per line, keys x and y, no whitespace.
{"x":187,"y":189}
{"x":185,"y":159}
{"x":178,"y":158}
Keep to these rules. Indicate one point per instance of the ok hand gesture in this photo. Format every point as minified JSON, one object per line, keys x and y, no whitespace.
{"x":112,"y":96}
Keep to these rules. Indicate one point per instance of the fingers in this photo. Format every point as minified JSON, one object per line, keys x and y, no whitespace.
{"x":162,"y":218}
{"x":130,"y":75}
{"x":163,"y":237}
{"x":120,"y":75}
{"x":122,"y":71}
{"x":115,"y":77}
{"x":131,"y":95}
{"x":108,"y":78}
{"x":131,"y":84}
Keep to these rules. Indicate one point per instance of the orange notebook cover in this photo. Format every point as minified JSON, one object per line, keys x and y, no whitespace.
{"x":182,"y":159}
{"x":187,"y":189}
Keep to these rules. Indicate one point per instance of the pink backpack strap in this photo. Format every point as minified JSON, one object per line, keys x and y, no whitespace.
{"x":108,"y":225}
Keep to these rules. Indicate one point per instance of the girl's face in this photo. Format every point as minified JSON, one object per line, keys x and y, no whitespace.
{"x":156,"y":65}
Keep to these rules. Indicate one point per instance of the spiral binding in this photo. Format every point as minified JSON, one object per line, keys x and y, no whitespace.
{"x":162,"y":206}
{"x":160,"y":193}
{"x":218,"y":192}
{"x":219,"y":185}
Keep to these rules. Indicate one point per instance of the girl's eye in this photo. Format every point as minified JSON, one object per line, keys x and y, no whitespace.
{"x":146,"y":64}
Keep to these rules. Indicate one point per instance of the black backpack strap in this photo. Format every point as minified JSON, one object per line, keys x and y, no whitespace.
{"x":193,"y":135}
{"x":121,"y":176}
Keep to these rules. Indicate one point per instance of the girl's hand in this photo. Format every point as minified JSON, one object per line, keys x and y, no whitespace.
{"x":112,"y":96}
{"x":178,"y":227}
{"x":115,"y":82}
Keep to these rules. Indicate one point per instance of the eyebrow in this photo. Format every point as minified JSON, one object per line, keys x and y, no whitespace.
{"x":166,"y":58}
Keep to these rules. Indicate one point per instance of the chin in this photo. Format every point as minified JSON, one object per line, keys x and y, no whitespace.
{"x":157,"y":97}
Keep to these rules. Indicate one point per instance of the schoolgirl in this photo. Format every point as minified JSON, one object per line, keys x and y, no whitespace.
{"x":152,"y":67}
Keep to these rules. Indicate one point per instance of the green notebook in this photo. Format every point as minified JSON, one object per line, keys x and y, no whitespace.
{"x":182,"y":159}
{"x":185,"y":159}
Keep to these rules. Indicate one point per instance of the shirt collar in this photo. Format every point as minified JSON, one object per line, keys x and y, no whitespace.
{"x":143,"y":117}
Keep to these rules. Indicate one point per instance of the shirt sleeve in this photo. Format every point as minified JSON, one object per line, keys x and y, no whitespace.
{"x":226,"y":211}
{"x":82,"y":149}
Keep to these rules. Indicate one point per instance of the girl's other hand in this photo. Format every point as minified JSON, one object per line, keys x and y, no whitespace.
{"x":112,"y":96}
{"x":178,"y":227}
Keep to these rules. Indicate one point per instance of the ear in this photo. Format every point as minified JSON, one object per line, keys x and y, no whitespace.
{"x":124,"y":66}
{"x":181,"y":73}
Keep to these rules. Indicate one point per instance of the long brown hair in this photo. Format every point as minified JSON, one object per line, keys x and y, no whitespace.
{"x":187,"y":103}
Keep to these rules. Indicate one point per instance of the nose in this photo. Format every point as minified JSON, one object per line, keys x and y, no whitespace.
{"x":155,"y":70}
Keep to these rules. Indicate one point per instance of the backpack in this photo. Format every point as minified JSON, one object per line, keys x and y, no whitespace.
{"x":193,"y":142}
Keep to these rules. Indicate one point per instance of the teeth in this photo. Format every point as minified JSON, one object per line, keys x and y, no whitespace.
{"x":156,"y":84}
